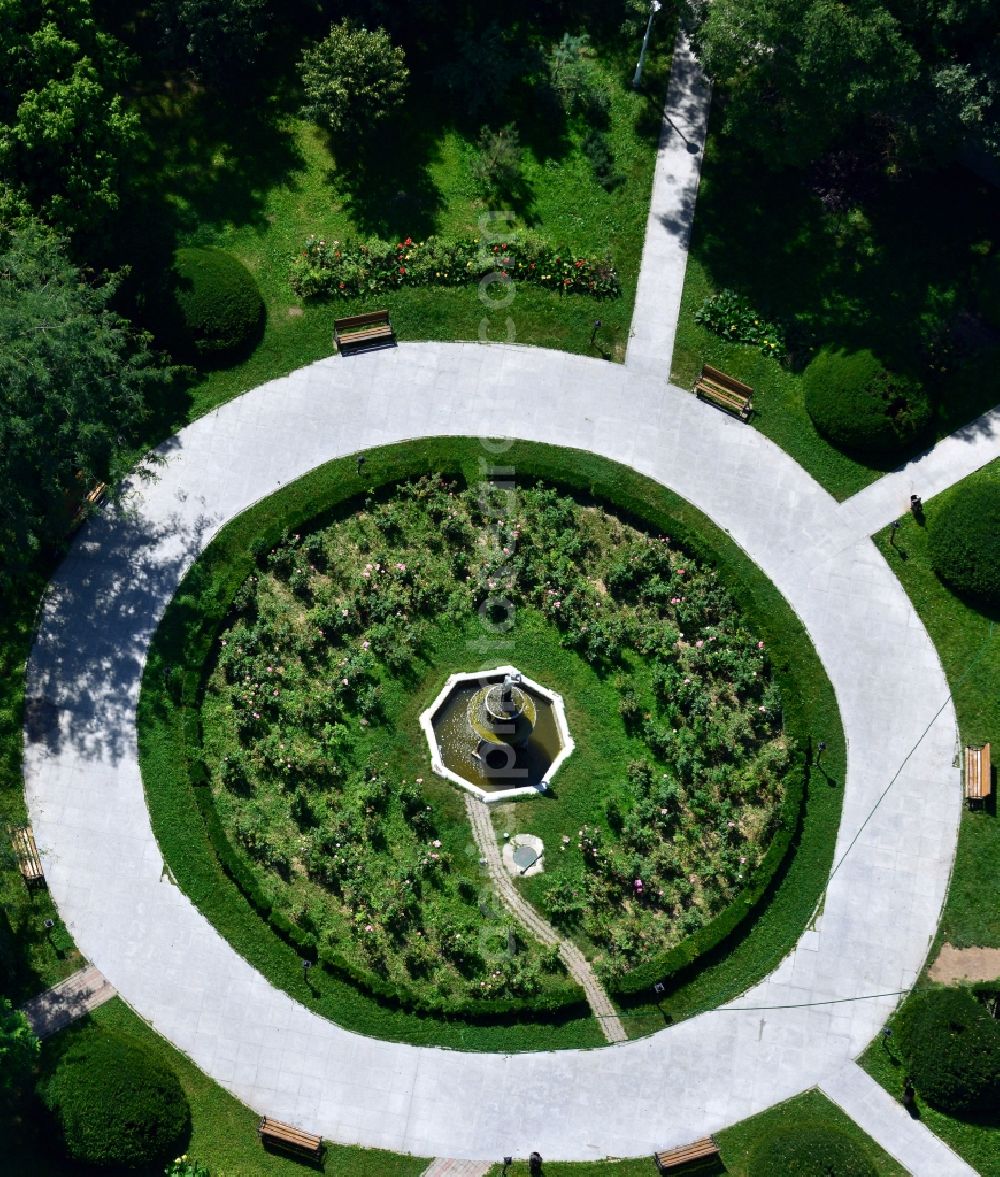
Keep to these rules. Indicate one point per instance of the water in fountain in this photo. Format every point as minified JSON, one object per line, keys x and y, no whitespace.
{"x":497,"y":733}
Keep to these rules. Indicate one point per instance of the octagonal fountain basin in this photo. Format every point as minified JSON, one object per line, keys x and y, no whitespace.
{"x":497,"y":734}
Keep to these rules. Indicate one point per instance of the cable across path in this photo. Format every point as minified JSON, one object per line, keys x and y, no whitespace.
{"x":800,"y":1027}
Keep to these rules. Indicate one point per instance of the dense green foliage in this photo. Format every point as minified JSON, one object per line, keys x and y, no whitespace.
{"x":113,"y":1104}
{"x":18,"y":1051}
{"x":353,"y":79}
{"x":902,"y":79}
{"x":347,"y":269}
{"x":861,"y":407}
{"x":305,"y":684}
{"x":988,"y":290}
{"x":809,"y":1152}
{"x":732,"y":316}
{"x":220,"y":40}
{"x":66,"y":130}
{"x":496,"y":168}
{"x":74,"y":378}
{"x":951,"y":1047}
{"x":170,"y":743}
{"x":964,"y":540}
{"x":215,"y":310}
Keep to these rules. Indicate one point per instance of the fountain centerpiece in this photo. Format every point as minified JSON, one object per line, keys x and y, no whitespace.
{"x":497,"y":734}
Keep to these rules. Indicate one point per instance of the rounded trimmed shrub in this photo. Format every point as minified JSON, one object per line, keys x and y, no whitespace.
{"x":964,"y":540}
{"x":951,"y":1047}
{"x":214,"y":310}
{"x":861,"y":407}
{"x":115,"y":1105}
{"x":809,"y":1152}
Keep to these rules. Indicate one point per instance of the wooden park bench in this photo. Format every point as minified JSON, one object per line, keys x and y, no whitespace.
{"x":689,"y":1157}
{"x":28,"y":862}
{"x":977,"y":774}
{"x":289,"y":1139}
{"x":725,"y":391}
{"x":362,"y":330}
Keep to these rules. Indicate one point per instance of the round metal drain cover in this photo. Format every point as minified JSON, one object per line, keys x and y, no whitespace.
{"x":524,"y":857}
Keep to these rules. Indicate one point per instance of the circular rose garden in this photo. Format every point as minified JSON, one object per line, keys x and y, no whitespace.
{"x":321,"y":781}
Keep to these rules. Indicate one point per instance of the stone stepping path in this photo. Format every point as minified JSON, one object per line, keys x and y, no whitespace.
{"x":576,"y":963}
{"x":68,"y":1001}
{"x":443,"y":1167}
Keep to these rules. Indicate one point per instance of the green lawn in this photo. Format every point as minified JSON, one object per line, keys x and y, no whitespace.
{"x":968,"y":642}
{"x":810,"y":1110}
{"x":258,"y":183}
{"x":224,"y":1131}
{"x":867,"y":277}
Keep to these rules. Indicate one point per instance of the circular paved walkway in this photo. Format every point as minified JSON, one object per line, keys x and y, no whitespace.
{"x":105,"y":872}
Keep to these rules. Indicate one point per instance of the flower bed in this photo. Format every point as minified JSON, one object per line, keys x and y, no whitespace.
{"x":347,"y":269}
{"x":732,"y":317}
{"x":308,"y":675}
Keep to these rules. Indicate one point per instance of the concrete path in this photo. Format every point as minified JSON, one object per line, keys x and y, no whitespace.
{"x":953,"y":458}
{"x":671,"y":215}
{"x":68,"y":1001}
{"x":916,"y":1148}
{"x":444,"y":1167}
{"x":576,"y":963}
{"x":817,"y":1011}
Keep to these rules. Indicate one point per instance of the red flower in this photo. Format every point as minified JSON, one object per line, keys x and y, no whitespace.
{"x":402,"y":269}
{"x":408,"y":241}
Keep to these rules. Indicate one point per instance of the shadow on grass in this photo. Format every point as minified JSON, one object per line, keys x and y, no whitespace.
{"x":874,"y":275}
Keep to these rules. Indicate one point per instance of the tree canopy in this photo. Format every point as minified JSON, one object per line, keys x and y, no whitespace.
{"x":354,"y":77}
{"x":18,"y":1051}
{"x":65,"y":126}
{"x":920,"y":77}
{"x":74,"y":378}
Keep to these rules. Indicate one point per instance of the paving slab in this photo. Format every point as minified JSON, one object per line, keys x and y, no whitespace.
{"x":671,"y":214}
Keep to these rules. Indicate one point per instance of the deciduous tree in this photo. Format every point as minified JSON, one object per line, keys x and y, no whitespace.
{"x":65,"y":128}
{"x":74,"y":378}
{"x":353,"y":78}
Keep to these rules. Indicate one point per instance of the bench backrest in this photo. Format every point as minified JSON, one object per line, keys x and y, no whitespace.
{"x":698,"y":1150}
{"x":977,"y":772}
{"x":730,"y":382}
{"x":361,"y":320}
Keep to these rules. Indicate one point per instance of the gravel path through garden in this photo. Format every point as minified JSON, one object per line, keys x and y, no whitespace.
{"x":799,"y":1027}
{"x":576,"y":963}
